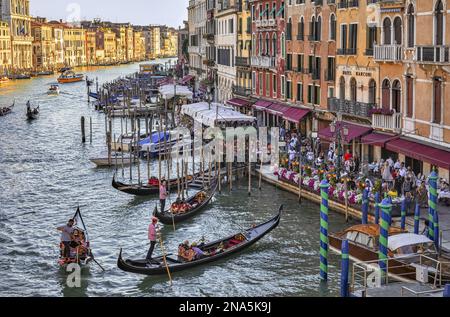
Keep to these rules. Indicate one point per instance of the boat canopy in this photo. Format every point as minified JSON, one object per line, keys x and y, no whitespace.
{"x":156,"y":137}
{"x":406,"y":239}
{"x":218,"y":114}
{"x":168,"y":91}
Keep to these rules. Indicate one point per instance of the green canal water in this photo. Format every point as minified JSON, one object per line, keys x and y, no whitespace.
{"x":45,"y":169}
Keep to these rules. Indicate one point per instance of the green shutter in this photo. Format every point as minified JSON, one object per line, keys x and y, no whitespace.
{"x":262,"y":13}
{"x":281,"y":10}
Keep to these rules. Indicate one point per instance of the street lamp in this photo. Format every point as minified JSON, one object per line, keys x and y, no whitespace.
{"x":340,"y":131}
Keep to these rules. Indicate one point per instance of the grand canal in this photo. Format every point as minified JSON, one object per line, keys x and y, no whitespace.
{"x":45,"y":173}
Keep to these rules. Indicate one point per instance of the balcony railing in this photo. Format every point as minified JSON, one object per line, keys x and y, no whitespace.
{"x":432,"y":54}
{"x":354,"y":108}
{"x":242,"y":91}
{"x":265,"y":23}
{"x":388,"y":53}
{"x":387,"y":122}
{"x":263,"y":61}
{"x":242,"y":61}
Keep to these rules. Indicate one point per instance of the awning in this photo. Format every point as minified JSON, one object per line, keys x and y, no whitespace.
{"x":277,"y":109}
{"x":421,"y":152}
{"x":262,"y":105}
{"x":295,"y":114}
{"x":238,"y":102}
{"x":354,"y":131}
{"x":378,"y":139}
{"x":186,"y":79}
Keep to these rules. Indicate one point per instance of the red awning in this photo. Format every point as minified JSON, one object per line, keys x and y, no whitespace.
{"x":354,"y":131}
{"x":186,"y":79}
{"x":296,"y":114}
{"x":238,"y":102}
{"x":378,"y":139}
{"x":421,"y":152}
{"x":277,"y":109}
{"x":262,"y":105}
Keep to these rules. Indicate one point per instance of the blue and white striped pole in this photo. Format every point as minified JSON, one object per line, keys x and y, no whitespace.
{"x":324,"y":186}
{"x":345,"y":269}
{"x":365,"y":207}
{"x":432,"y":203}
{"x":436,"y":229}
{"x":447,"y":290}
{"x":384,"y":234}
{"x":403,"y":214}
{"x":377,"y":208}
{"x":417,"y":218}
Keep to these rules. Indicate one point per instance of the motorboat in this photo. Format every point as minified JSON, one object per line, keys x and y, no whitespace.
{"x":70,"y":77}
{"x":53,"y":90}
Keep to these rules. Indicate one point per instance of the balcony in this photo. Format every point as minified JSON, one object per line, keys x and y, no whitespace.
{"x":209,"y":62}
{"x":242,"y":91}
{"x":242,"y":61}
{"x":348,"y":107}
{"x":266,"y":23}
{"x":263,"y":61}
{"x":388,"y":53}
{"x":210,"y":37}
{"x":432,"y":54}
{"x":391,"y":122}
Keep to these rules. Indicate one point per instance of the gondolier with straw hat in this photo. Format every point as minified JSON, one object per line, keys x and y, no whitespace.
{"x":152,"y":232}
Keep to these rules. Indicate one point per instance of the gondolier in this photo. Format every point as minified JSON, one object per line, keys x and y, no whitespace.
{"x":163,"y":194}
{"x":152,"y":238}
{"x":66,"y":236}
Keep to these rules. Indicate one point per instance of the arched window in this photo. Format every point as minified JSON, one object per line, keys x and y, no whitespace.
{"x":342,"y":88}
{"x":437,"y":100}
{"x":274,"y":44}
{"x":312,"y":28}
{"x":260,"y":45}
{"x":398,"y":31}
{"x":409,"y":96}
{"x":253,"y":44}
{"x":353,"y":90}
{"x":301,"y":29}
{"x":283,"y":46}
{"x":439,"y":23}
{"x":267,"y":51}
{"x":318,"y":32}
{"x":387,"y":31}
{"x":289,"y":29}
{"x":372,"y":91}
{"x":333,"y":27}
{"x":396,"y":96}
{"x":411,"y":25}
{"x":386,"y":94}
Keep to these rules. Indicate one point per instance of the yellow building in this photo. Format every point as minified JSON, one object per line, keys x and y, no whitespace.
{"x":169,"y":43}
{"x":121,"y":43}
{"x":91,"y":47}
{"x":139,"y":46}
{"x":109,"y":45}
{"x":75,"y":46}
{"x":155,"y":42}
{"x":5,"y":48}
{"x":44,"y":55}
{"x":129,"y":32}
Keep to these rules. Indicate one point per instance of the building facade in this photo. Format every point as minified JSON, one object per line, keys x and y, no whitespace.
{"x":17,"y":14}
{"x":74,"y":46}
{"x":44,"y":52}
{"x":5,"y":48}
{"x":197,"y":43}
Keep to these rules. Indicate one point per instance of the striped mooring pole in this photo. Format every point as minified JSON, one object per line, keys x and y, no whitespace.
{"x":324,"y":186}
{"x":436,"y":229}
{"x":432,"y":203}
{"x":345,"y":269}
{"x":384,"y":234}
{"x":417,"y":218}
{"x":365,"y":207}
{"x":447,"y":290}
{"x":403,"y":214}
{"x":377,"y":208}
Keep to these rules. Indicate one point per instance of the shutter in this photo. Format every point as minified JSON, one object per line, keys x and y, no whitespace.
{"x":437,"y":101}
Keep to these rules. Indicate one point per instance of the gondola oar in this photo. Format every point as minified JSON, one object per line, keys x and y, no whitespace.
{"x":93,"y":259}
{"x":164,"y":258}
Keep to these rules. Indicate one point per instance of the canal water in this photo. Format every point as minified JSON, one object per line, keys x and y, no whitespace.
{"x":45,"y":173}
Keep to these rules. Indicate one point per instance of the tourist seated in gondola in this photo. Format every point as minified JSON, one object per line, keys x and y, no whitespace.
{"x":199,"y":253}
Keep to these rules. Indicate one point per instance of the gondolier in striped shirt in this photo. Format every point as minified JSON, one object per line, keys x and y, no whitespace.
{"x":152,"y":238}
{"x":163,"y":194}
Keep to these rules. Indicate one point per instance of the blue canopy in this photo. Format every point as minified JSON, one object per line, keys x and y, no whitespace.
{"x":156,"y":138}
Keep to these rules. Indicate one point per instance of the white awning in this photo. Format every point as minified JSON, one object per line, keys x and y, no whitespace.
{"x":401,"y":240}
{"x":218,"y":114}
{"x":168,"y":91}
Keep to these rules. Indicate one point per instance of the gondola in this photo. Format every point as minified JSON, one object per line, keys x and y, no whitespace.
{"x":145,"y":190}
{"x":6,"y":110}
{"x":32,"y":113}
{"x":168,"y":218}
{"x":82,"y":254}
{"x":228,"y":246}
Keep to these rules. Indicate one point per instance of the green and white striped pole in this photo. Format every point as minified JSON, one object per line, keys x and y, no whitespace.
{"x":432,"y":203}
{"x":324,"y":186}
{"x":384,"y":234}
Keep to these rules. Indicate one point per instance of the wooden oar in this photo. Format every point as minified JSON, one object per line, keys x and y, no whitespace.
{"x":93,"y":259}
{"x":165,"y":260}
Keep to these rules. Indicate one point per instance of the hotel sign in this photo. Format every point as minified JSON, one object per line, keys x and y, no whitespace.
{"x":358,"y":71}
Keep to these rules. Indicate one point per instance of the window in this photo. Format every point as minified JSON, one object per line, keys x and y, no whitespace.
{"x":260,"y":84}
{"x":289,"y":62}
{"x":398,"y":31}
{"x":333,"y":27}
{"x":396,"y":96}
{"x":274,"y":44}
{"x":411,"y":25}
{"x":439,"y":23}
{"x":267,"y":46}
{"x":267,"y":84}
{"x":386,"y":94}
{"x":288,"y":90}
{"x":300,"y":62}
{"x":253,"y":82}
{"x":372,"y":91}
{"x":409,"y":96}
{"x":283,"y":46}
{"x":299,"y":92}
{"x":301,"y":29}
{"x":318,"y":29}
{"x":343,"y":37}
{"x":371,"y":38}
{"x":274,"y":85}
{"x":437,"y":100}
{"x":283,"y":85}
{"x":260,"y":46}
{"x":342,"y":88}
{"x":353,"y":89}
{"x":353,"y":38}
{"x":387,"y":31}
{"x":289,"y":30}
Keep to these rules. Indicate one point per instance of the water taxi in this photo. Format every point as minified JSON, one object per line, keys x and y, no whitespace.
{"x":70,"y":77}
{"x":53,"y":90}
